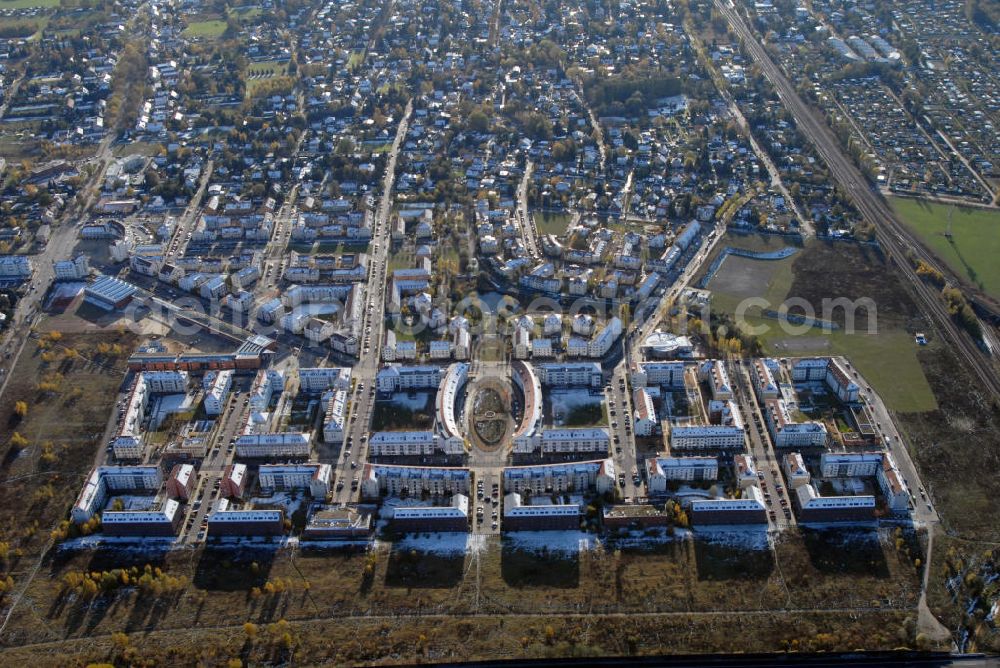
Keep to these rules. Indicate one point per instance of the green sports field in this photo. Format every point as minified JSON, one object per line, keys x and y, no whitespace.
{"x":974,"y":246}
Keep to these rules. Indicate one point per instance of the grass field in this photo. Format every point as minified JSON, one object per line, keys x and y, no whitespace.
{"x":972,"y":251}
{"x":552,"y":223}
{"x":27,"y":28}
{"x":27,"y":4}
{"x":210,"y":29}
{"x":355,"y":59}
{"x":887,"y":358}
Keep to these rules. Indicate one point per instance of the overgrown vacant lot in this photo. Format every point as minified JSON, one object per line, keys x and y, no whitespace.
{"x":531,"y":583}
{"x":66,"y":386}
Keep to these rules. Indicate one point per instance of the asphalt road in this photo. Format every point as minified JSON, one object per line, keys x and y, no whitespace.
{"x":362,"y":397}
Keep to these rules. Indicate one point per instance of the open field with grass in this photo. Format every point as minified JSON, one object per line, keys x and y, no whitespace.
{"x":885,"y":353}
{"x":208,"y":29}
{"x":28,"y":4}
{"x":24,"y":27}
{"x":267,"y":76}
{"x":552,"y":223}
{"x":443,"y":587}
{"x":974,"y":246}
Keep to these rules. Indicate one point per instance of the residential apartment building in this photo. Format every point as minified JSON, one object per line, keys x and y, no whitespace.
{"x":539,"y":517}
{"x":389,"y":480}
{"x":786,"y":432}
{"x":813,"y":508}
{"x":597,"y":475}
{"x":265,"y":385}
{"x":661,"y":470}
{"x":228,"y":520}
{"x":749,"y":509}
{"x":233,"y":483}
{"x":707,"y":437}
{"x":334,"y":416}
{"x":645,"y":422}
{"x":575,"y":374}
{"x":273,"y":446}
{"x":103,"y":481}
{"x":396,"y":378}
{"x":182,"y":481}
{"x":665,"y":374}
{"x":764,"y":383}
{"x":162,"y":518}
{"x":281,"y":477}
{"x":850,"y":464}
{"x":453,"y":517}
{"x":321,"y":379}
{"x":413,"y":443}
{"x":217,"y":385}
{"x":795,"y":470}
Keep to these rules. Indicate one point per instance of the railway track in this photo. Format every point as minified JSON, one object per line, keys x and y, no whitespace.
{"x":893,"y":236}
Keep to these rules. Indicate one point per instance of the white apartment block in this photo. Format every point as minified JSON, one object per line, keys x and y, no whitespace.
{"x":795,"y":470}
{"x":265,"y":384}
{"x":665,"y":374}
{"x":440,"y":350}
{"x":452,"y":383}
{"x":717,"y":375}
{"x":15,"y":266}
{"x":336,"y":414}
{"x":542,"y":348}
{"x":890,"y":481}
{"x":413,"y":443}
{"x":564,"y":441}
{"x":660,"y":470}
{"x":278,"y":478}
{"x":396,"y":378}
{"x":273,"y":446}
{"x":763,"y":380}
{"x":217,"y":385}
{"x":378,"y":479}
{"x":745,"y":471}
{"x":71,"y":270}
{"x":321,"y":379}
{"x":840,"y":383}
{"x":787,"y":433}
{"x":166,"y":382}
{"x":830,"y":371}
{"x":598,"y":475}
{"x":104,"y":480}
{"x":810,"y":369}
{"x":706,"y":437}
{"x":850,"y":465}
{"x":601,"y":344}
{"x":570,"y":374}
{"x":645,"y":412}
